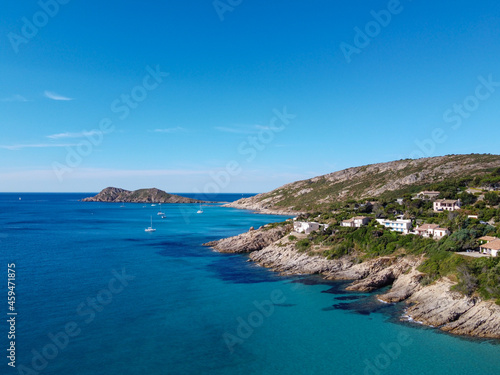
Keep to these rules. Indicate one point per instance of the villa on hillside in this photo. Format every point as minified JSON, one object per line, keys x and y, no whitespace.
{"x":447,"y":205}
{"x":489,"y":245}
{"x":356,"y":222}
{"x":431,"y":231}
{"x":399,"y":225}
{"x":427,"y":195}
{"x":307,"y":226}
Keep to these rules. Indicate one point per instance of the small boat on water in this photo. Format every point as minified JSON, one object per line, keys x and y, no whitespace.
{"x":200,"y":211}
{"x":160,"y":213}
{"x":150,"y":229}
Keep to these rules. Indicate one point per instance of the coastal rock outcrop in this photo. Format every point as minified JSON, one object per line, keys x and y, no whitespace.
{"x":112,"y":194}
{"x":252,"y":240}
{"x":392,"y":269}
{"x":403,"y":287}
{"x":482,"y":320}
{"x":282,"y":256}
{"x":438,"y":306}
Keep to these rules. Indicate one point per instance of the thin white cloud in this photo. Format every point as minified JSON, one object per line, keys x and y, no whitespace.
{"x":177,"y":129}
{"x":74,"y":135}
{"x":36,"y":145}
{"x":14,"y":98}
{"x":239,"y":129}
{"x":54,"y":96}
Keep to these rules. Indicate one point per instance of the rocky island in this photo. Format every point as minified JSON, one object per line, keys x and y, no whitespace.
{"x":112,"y":194}
{"x":450,"y":282}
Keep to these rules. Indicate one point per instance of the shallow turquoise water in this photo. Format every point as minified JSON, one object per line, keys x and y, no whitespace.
{"x":185,"y":309}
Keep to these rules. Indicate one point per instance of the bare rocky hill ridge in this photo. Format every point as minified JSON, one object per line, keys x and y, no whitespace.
{"x":368,"y":181}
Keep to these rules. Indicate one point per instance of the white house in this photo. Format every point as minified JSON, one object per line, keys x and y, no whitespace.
{"x":307,"y":226}
{"x":447,"y":205}
{"x":400,"y":201}
{"x":491,"y":247}
{"x":431,"y":230}
{"x":426,"y":194}
{"x":356,"y":222}
{"x":399,"y":225}
{"x":486,"y":239}
{"x":441,"y":232}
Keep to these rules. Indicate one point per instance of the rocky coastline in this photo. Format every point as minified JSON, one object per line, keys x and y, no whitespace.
{"x":432,"y":305}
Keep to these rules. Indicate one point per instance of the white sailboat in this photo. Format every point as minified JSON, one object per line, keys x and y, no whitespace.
{"x":160,"y":213}
{"x":200,"y":211}
{"x":150,"y":229}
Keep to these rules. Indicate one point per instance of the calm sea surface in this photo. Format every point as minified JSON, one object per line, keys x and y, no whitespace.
{"x":96,"y":294}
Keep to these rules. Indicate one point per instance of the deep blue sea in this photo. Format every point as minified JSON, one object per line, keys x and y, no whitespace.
{"x":96,"y":294}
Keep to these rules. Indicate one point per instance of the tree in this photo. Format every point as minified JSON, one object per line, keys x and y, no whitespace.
{"x":480,"y":205}
{"x":491,"y":198}
{"x":467,"y":198}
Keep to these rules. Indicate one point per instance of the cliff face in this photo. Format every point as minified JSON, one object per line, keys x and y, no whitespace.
{"x":367,"y":181}
{"x":112,"y":194}
{"x":433,"y":305}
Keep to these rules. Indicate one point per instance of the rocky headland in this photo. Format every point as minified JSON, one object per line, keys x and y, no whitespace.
{"x":433,"y":305}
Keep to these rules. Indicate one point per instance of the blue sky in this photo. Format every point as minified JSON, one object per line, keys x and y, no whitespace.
{"x":207,"y":89}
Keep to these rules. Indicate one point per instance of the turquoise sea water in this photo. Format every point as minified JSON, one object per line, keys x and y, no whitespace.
{"x":98,"y":295}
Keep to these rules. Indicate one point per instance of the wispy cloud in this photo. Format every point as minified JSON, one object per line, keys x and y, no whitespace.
{"x":177,"y":129}
{"x":14,"y":98}
{"x":54,"y":96}
{"x":35,"y":145}
{"x":239,"y":129}
{"x":74,"y":135}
